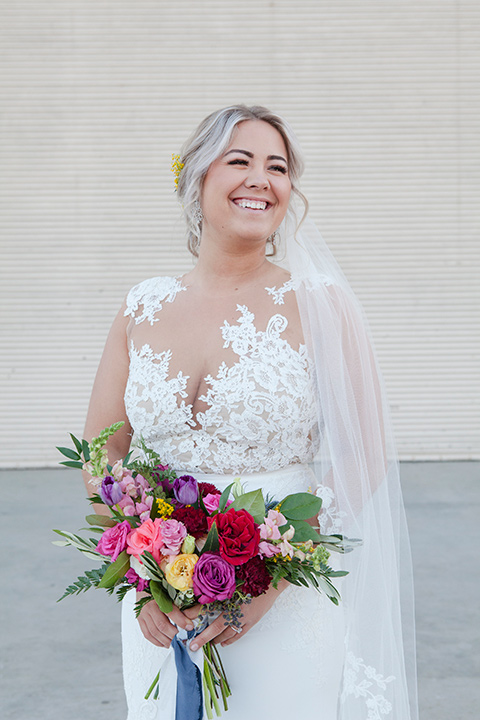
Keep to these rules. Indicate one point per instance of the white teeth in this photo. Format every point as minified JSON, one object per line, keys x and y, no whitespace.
{"x":254,"y":204}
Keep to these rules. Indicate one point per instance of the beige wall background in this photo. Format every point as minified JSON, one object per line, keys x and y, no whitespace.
{"x":95,"y":97}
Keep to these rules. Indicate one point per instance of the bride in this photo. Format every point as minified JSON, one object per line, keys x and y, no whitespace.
{"x":253,"y":368}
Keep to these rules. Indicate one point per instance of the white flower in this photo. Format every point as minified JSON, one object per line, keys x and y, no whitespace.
{"x":139,"y":567}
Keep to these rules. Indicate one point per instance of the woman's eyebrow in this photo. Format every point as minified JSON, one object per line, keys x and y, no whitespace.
{"x":250,"y":155}
{"x":245,"y":152}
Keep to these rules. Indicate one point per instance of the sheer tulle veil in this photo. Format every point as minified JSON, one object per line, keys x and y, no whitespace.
{"x":358,"y":477}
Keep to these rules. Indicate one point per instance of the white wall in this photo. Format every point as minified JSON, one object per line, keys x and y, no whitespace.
{"x":97,"y":94}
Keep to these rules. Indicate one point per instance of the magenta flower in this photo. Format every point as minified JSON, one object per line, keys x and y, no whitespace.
{"x":213,"y":578}
{"x":134,"y":579}
{"x":114,"y":540}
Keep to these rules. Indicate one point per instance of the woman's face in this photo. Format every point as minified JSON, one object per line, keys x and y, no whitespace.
{"x":246,"y":191}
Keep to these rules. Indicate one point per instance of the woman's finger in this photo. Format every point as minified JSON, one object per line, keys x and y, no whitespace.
{"x":179,"y":618}
{"x":216,"y":628}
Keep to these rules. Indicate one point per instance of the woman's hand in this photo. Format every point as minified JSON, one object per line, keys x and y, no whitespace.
{"x":158,"y":627}
{"x":252,"y":613}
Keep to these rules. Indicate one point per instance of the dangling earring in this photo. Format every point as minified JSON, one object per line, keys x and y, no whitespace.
{"x":197,"y":212}
{"x":272,"y":239}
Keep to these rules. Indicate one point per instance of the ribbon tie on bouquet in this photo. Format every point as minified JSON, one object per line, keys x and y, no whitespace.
{"x":189,"y":699}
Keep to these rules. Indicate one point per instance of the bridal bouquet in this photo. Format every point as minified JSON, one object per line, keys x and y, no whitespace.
{"x":185,"y":542}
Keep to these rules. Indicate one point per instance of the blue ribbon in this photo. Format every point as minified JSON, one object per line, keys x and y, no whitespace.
{"x":189,"y":704}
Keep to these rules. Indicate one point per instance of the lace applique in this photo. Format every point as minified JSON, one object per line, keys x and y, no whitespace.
{"x":261,"y":410}
{"x":278,"y":295}
{"x":151,"y":294}
{"x":329,"y":518}
{"x":358,"y":681}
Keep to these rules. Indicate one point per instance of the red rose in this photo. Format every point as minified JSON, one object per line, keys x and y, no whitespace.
{"x":194,"y":520}
{"x":238,"y":536}
{"x":255,"y":576}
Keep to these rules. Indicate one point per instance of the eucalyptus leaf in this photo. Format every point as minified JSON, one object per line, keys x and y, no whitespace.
{"x":253,"y":503}
{"x":69,"y":453}
{"x":300,"y":506}
{"x":115,"y":571}
{"x":303,"y":532}
{"x":161,"y":597}
{"x":100,"y":520}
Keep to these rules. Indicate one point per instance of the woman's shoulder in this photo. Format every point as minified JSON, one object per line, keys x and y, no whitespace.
{"x":150,"y":295}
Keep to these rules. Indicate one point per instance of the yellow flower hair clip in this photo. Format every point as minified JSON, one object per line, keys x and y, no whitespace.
{"x":177,"y":167}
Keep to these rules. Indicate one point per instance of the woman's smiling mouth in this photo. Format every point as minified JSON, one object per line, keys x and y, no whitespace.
{"x":251,"y":204}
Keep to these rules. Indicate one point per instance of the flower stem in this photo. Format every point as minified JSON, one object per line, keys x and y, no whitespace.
{"x":150,"y":689}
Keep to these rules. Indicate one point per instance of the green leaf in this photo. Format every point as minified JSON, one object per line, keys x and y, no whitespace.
{"x":86,"y":450}
{"x":303,"y":532}
{"x":116,"y":570}
{"x":253,"y":503}
{"x":71,"y":454}
{"x":72,"y":464}
{"x":224,"y":498}
{"x":82,"y":544}
{"x":100,"y":520}
{"x":211,"y":543}
{"x":77,"y":443}
{"x":91,"y":578}
{"x":300,"y":506}
{"x":152,"y":567}
{"x":328,"y":588}
{"x":161,"y":597}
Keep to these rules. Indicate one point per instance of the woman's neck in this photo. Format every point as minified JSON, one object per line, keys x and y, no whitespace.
{"x":229,"y":266}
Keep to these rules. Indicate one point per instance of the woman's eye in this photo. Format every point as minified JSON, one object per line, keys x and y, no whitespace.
{"x":279,"y":168}
{"x":238,"y":162}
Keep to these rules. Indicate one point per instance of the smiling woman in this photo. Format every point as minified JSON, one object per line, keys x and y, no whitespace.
{"x":245,"y":368}
{"x":246,"y":191}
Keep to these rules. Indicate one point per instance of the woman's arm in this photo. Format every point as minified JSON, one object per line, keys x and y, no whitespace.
{"x":107,"y":400}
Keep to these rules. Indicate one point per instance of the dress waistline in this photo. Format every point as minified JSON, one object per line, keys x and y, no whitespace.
{"x":271,"y":478}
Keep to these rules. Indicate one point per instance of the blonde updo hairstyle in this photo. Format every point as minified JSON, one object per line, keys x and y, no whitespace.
{"x":209,"y":141}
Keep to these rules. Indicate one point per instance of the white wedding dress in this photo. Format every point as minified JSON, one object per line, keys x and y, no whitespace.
{"x":257,"y":421}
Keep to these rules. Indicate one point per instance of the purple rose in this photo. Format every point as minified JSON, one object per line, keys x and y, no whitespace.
{"x":114,"y":540}
{"x":173,"y":535}
{"x":110,"y":492}
{"x":213,"y":578}
{"x":185,"y":489}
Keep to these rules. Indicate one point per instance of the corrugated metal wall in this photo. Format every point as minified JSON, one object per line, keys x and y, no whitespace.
{"x":95,"y":97}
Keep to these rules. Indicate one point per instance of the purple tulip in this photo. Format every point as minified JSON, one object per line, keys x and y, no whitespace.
{"x":185,"y":489}
{"x":110,"y":491}
{"x":213,"y":578}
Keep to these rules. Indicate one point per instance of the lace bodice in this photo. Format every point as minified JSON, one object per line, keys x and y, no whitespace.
{"x":259,"y":409}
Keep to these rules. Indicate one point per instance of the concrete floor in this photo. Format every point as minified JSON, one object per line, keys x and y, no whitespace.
{"x":62,"y":661}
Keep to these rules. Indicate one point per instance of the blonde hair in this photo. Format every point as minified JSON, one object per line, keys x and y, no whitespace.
{"x":209,"y":141}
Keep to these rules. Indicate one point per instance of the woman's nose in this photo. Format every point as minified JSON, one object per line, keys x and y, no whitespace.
{"x":257,"y":178}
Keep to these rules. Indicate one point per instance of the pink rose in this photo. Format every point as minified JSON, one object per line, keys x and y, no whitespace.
{"x":173,"y":534}
{"x":211,"y":502}
{"x":146,"y":538}
{"x":114,"y":540}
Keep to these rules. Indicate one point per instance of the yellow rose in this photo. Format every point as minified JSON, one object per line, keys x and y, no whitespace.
{"x":179,"y":572}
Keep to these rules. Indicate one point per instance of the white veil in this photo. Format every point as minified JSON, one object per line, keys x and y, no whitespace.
{"x":357,"y":474}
